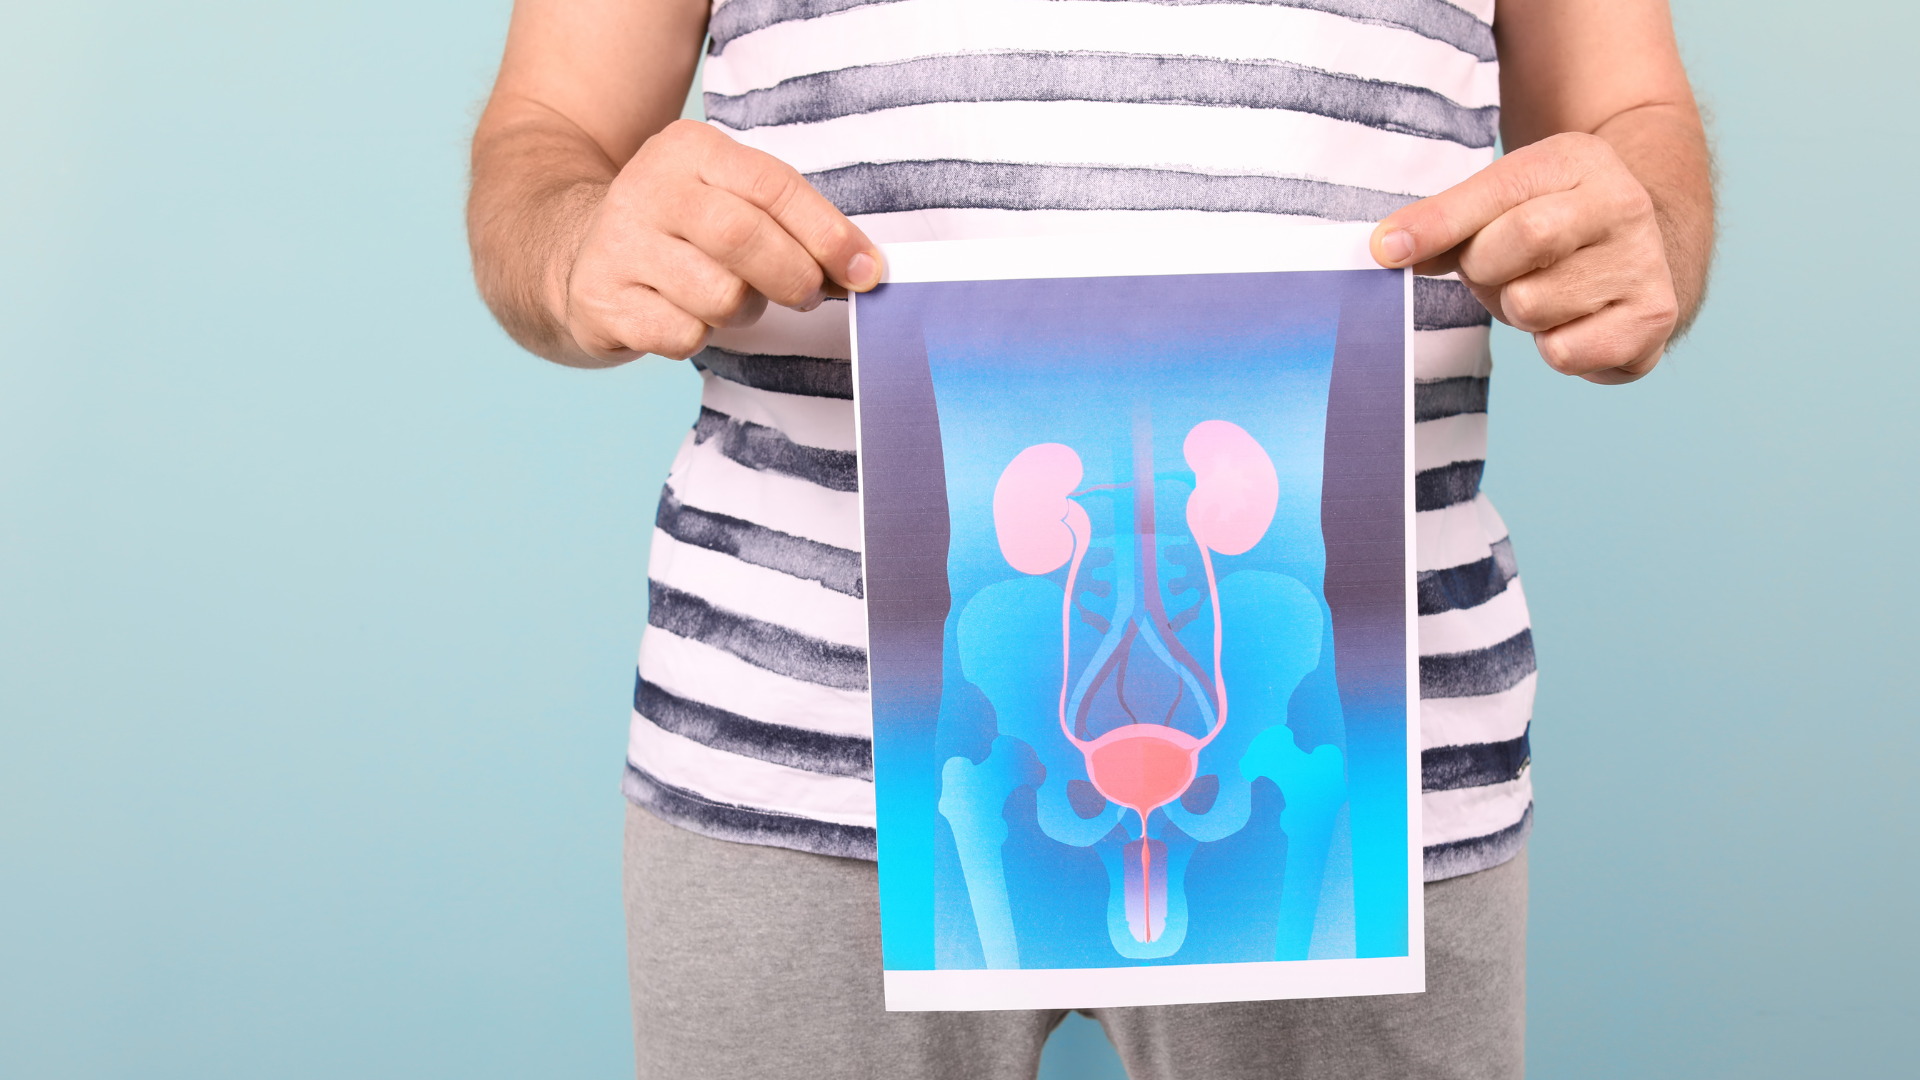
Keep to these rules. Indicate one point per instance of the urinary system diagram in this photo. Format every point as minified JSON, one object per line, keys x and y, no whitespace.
{"x":1131,"y":646}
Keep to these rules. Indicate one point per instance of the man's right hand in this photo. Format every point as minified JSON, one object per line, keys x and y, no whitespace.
{"x":698,"y":232}
{"x":602,"y":227}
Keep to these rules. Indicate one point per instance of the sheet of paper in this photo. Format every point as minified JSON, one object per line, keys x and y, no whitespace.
{"x":1138,"y":521}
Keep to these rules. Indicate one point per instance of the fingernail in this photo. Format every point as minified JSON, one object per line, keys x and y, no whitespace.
{"x":1397,"y":246}
{"x":863,"y":271}
{"x":819,"y":297}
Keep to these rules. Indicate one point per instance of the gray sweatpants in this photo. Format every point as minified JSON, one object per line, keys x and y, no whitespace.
{"x":751,"y":962}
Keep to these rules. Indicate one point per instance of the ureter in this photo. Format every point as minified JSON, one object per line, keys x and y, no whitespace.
{"x":1219,"y":684}
{"x":1066,"y":634}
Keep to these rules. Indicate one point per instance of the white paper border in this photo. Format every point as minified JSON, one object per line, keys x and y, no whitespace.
{"x":973,"y":989}
{"x":1306,"y":247}
{"x":1416,"y":840}
{"x":1145,"y":254}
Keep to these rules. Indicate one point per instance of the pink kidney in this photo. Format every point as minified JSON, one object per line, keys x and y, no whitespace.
{"x":1038,"y":526}
{"x":1236,"y":489}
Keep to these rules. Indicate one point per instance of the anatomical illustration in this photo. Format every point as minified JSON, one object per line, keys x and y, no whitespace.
{"x":1139,"y":686}
{"x":1146,"y":763}
{"x":1138,"y":740}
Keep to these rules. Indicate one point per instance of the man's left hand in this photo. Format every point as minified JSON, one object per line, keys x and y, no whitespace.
{"x":1558,"y":239}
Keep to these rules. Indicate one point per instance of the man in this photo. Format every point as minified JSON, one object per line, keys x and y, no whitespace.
{"x":603,"y":230}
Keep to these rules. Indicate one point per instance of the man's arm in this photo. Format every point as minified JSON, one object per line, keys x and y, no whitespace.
{"x":602,"y":229}
{"x":1594,"y":232}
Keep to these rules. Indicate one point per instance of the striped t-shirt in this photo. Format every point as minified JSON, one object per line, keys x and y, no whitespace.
{"x":960,"y":119}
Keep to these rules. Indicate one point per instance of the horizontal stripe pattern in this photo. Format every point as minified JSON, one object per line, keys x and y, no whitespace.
{"x":804,"y":375}
{"x":809,"y":560}
{"x":759,"y":642}
{"x":1455,"y":535}
{"x":1109,"y":135}
{"x":758,"y":446}
{"x":819,"y":334}
{"x":738,"y":18}
{"x":701,"y":672}
{"x":1124,"y":79}
{"x":1468,"y":585}
{"x":1442,"y":304}
{"x":1458,"y":857}
{"x":937,"y":119}
{"x":1463,"y":813}
{"x":1435,"y":489}
{"x":745,"y":824}
{"x":1449,"y":768}
{"x":888,"y":33}
{"x":1486,"y":718}
{"x":796,"y":747}
{"x":1437,"y":399}
{"x":1459,"y":352}
{"x":714,"y":482}
{"x":896,"y":186}
{"x":726,"y":582}
{"x":1434,"y":19}
{"x":823,"y":423}
{"x":1483,"y":671}
{"x":1448,"y":439}
{"x":748,"y":781}
{"x":1464,"y":630}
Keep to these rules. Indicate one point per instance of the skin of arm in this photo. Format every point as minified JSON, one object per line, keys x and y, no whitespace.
{"x":603,"y":227}
{"x":1595,"y":230}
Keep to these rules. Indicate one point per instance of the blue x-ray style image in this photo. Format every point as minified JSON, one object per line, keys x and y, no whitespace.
{"x":1137,"y":588}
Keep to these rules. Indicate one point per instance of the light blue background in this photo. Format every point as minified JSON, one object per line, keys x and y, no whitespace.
{"x":318,"y":600}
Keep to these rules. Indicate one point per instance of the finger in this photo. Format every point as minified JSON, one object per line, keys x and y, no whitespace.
{"x":619,"y":325}
{"x":1421,"y":231}
{"x":696,"y":283}
{"x":1532,"y":236}
{"x":834,"y":242}
{"x":1608,"y":347}
{"x":1580,"y":285}
{"x":1489,"y":297}
{"x":748,"y":244}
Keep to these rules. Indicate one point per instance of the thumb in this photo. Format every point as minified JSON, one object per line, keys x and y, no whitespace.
{"x":1421,"y":233}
